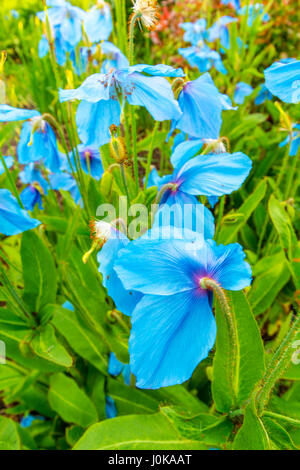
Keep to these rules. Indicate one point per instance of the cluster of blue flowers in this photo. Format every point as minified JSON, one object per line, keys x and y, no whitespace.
{"x":173,"y":326}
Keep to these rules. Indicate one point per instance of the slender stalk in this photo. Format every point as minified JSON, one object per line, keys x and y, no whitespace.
{"x":149,"y":158}
{"x":11,"y":181}
{"x":134,"y":148}
{"x":210,"y":284}
{"x":220,"y":215}
{"x":285,"y":163}
{"x":132,"y":23}
{"x":276,"y":367}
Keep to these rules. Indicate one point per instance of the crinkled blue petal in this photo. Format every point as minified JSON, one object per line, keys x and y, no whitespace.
{"x":8,"y":113}
{"x":283,"y":80}
{"x":13,"y":219}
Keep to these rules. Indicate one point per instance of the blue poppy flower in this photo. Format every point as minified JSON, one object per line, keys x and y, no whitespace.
{"x":98,"y":22}
{"x":194,"y":32}
{"x":242,"y":90}
{"x":80,"y":60}
{"x":115,"y":58}
{"x":263,"y":95}
{"x":283,"y":80}
{"x":90,"y":160}
{"x":203,"y":58}
{"x":61,"y":47}
{"x":32,"y":175}
{"x":9,"y":161}
{"x":254,"y":11}
{"x":110,"y":408}
{"x":202,"y":105}
{"x":220,"y":30}
{"x":30,"y":197}
{"x":67,"y":18}
{"x":173,"y":326}
{"x":100,"y":96}
{"x":13,"y":219}
{"x":206,"y":175}
{"x":37,"y":139}
{"x":125,"y":300}
{"x":116,"y":367}
{"x":293,"y":140}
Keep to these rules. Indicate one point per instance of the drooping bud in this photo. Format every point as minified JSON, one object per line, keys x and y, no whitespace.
{"x":117,"y":147}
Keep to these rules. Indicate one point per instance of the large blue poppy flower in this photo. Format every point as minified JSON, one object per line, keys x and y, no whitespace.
{"x":219,"y":30}
{"x":13,"y":219}
{"x":98,"y":23}
{"x":202,"y":105}
{"x":100,"y":96}
{"x":206,"y":175}
{"x":283,"y":80}
{"x":194,"y":32}
{"x":30,"y":197}
{"x":203,"y":58}
{"x":173,"y":327}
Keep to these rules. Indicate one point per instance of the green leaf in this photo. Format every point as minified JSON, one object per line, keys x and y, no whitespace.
{"x":131,"y":400}
{"x":250,"y":362}
{"x":81,"y":338}
{"x":9,"y":437}
{"x":38,"y":271}
{"x":229,"y":231}
{"x":283,"y":226}
{"x":271,"y":274}
{"x":46,"y":346}
{"x":136,"y":432}
{"x":252,"y":435}
{"x":70,"y":402}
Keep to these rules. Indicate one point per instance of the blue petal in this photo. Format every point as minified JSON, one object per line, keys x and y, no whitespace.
{"x":93,"y":121}
{"x":283,"y":80}
{"x":9,"y":161}
{"x":124,"y":299}
{"x":168,"y":269}
{"x":98,"y":23}
{"x":201,"y":104}
{"x":30,"y":196}
{"x":170,"y":336}
{"x":8,"y":113}
{"x":160,"y":70}
{"x":31,"y":175}
{"x":154,"y":93}
{"x":43,"y":47}
{"x":110,"y":408}
{"x":93,"y":89}
{"x":185,"y":151}
{"x":13,"y":219}
{"x":227,"y":265}
{"x":242,"y":90}
{"x":214,"y":174}
{"x":115,"y":367}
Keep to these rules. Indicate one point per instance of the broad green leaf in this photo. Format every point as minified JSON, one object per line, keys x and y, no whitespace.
{"x":131,"y":400}
{"x":9,"y":437}
{"x":81,"y":338}
{"x":250,"y":362}
{"x":38,"y":271}
{"x":229,"y":231}
{"x":70,"y":402}
{"x":9,"y":377}
{"x":60,"y":225}
{"x":252,"y":435}
{"x":179,"y":396}
{"x":46,"y":346}
{"x":135,"y":432}
{"x":271,"y":275}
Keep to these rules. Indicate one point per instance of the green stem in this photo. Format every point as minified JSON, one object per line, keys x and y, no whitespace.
{"x":284,"y":164}
{"x":276,"y":367}
{"x":123,"y":174}
{"x":134,"y":147}
{"x":291,"y":174}
{"x":220,"y":215}
{"x":210,"y":284}
{"x":133,"y":20}
{"x":149,"y":159}
{"x":11,"y":181}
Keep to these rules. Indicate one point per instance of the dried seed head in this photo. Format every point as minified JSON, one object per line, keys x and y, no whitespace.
{"x":148,"y":12}
{"x":100,"y":230}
